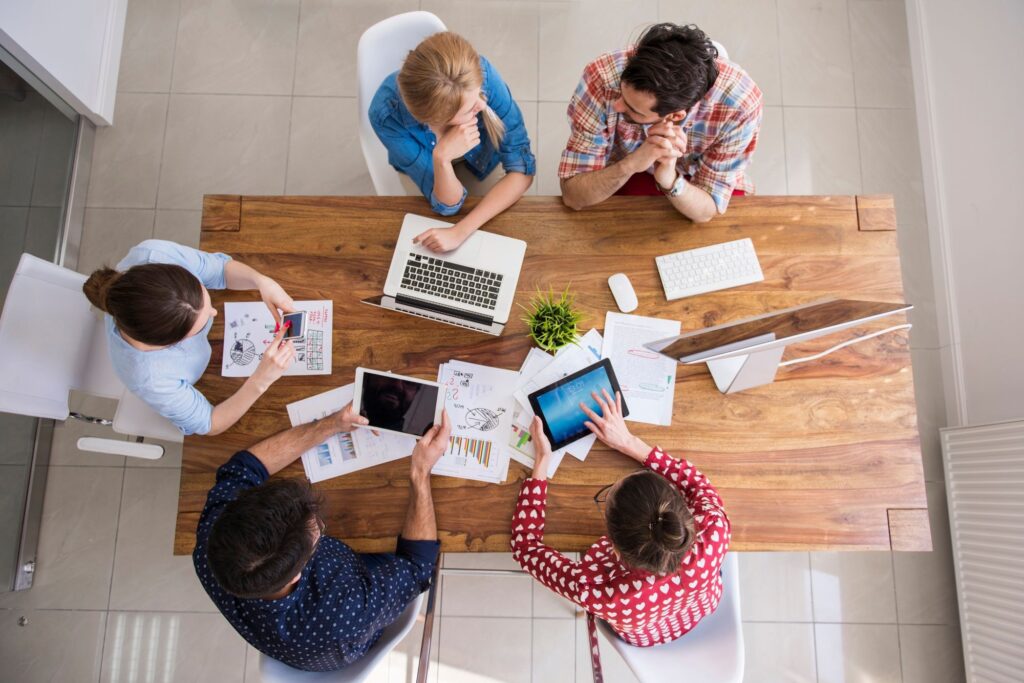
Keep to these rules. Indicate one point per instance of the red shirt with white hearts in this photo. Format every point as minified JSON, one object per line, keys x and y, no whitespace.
{"x":642,"y":607}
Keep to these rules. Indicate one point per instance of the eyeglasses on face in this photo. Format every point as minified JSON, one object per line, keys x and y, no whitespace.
{"x":601,"y":497}
{"x":321,"y":527}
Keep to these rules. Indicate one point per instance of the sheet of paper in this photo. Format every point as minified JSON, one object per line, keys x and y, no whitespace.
{"x":249,"y":329}
{"x":480,"y":405}
{"x":647,"y":378}
{"x":568,"y":360}
{"x":343,"y":453}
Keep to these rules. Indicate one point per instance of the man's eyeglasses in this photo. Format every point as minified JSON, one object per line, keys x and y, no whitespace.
{"x":322,"y":527}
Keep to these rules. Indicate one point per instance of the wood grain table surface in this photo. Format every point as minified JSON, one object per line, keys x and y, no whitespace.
{"x":825,"y":458}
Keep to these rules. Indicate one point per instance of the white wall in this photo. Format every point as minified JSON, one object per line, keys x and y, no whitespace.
{"x":968,"y":60}
{"x":74,"y":46}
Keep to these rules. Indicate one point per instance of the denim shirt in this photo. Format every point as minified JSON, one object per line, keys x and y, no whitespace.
{"x":410,"y":144}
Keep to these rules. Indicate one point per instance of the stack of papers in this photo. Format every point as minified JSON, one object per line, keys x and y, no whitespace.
{"x":647,"y":378}
{"x":344,"y":452}
{"x":479,"y":402}
{"x":490,"y":411}
{"x":539,"y":370}
{"x":249,"y":329}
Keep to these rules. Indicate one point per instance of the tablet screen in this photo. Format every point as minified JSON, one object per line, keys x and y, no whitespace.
{"x":398,"y":404}
{"x":560,"y":405}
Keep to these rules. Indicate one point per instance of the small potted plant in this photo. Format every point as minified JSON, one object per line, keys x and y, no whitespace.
{"x":553,"y":320}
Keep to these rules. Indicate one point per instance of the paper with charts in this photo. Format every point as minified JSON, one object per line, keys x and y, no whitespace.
{"x":344,"y":452}
{"x":479,"y":402}
{"x":249,"y":329}
{"x":647,"y":379}
{"x":540,"y":369}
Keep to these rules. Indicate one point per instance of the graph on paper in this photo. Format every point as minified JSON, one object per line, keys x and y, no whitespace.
{"x":466,"y":451}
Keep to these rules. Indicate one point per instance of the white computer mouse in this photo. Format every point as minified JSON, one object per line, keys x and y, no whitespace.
{"x":622,"y":290}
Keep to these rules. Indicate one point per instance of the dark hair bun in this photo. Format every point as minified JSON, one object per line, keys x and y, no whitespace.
{"x":97,"y":287}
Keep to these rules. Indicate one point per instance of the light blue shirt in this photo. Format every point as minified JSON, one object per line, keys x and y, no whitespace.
{"x":164,"y":378}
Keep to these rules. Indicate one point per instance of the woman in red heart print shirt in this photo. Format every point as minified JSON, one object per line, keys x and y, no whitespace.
{"x":655,"y":575}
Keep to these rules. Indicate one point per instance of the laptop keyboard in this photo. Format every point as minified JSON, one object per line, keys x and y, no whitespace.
{"x":451,"y":281}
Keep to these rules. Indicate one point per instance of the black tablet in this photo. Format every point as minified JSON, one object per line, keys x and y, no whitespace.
{"x":558,"y":404}
{"x":396,"y":403}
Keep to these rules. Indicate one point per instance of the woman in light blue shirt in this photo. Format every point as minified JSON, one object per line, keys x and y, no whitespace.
{"x":158,"y":316}
{"x":448,"y":105}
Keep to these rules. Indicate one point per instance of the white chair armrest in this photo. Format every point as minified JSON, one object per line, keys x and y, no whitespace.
{"x":133,"y":449}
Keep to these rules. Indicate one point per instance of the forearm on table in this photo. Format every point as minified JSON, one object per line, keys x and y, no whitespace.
{"x":447,"y":188}
{"x":586,"y":189}
{"x":240,"y":276}
{"x":504,"y":194}
{"x":694,"y":203}
{"x":230,"y":410}
{"x":420,"y":522}
{"x":280,"y":450}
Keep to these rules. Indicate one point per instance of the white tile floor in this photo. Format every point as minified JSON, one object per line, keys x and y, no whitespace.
{"x":259,"y":97}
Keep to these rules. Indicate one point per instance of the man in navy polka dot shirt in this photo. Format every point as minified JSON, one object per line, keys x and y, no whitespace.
{"x":294,"y":593}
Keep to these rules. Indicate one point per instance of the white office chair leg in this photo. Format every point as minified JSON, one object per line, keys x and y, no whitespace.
{"x":132,"y":449}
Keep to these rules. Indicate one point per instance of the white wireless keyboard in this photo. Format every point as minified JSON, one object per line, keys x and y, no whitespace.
{"x":708,"y":269}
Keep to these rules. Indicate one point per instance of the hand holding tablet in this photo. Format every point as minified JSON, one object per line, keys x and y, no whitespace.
{"x":396,"y":403}
{"x":558,"y":404}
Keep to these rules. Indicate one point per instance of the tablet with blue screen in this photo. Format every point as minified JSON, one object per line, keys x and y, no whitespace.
{"x":558,"y":404}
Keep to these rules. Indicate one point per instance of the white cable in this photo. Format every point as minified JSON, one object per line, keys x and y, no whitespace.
{"x":905,"y":326}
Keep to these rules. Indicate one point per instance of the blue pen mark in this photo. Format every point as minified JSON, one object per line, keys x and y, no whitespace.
{"x":597,"y":354}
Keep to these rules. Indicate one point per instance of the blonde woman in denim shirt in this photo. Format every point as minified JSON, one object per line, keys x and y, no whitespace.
{"x":447,"y":105}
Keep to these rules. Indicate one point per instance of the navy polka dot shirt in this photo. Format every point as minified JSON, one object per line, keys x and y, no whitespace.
{"x":340,"y":605}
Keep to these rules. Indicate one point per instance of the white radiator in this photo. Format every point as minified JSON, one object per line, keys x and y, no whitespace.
{"x":985,"y":486}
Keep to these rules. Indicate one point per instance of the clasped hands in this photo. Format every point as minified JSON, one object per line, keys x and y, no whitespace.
{"x":665,"y":144}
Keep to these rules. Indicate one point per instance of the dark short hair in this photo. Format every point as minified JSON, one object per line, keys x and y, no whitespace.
{"x":154,"y":303}
{"x":674,"y":63}
{"x":263,"y":538}
{"x":649,"y":523}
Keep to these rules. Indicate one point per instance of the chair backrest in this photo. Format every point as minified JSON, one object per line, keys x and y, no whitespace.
{"x":273,"y":671}
{"x":382,"y":49}
{"x":722,"y":52}
{"x":712,"y":652}
{"x":53,"y":342}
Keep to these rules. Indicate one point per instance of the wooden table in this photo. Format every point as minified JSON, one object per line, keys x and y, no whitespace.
{"x":826,"y":458}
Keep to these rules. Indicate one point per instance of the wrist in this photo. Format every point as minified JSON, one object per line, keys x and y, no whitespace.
{"x":637,"y":449}
{"x":419,"y":477}
{"x":631,"y":163}
{"x":440,"y":157}
{"x":666,"y":179}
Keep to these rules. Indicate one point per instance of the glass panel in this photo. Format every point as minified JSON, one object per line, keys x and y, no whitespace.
{"x":37,"y":146}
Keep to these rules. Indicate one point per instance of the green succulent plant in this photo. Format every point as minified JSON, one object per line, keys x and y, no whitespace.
{"x":552,"y":319}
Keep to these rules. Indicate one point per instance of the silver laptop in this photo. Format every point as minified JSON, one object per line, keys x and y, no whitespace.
{"x":472,"y":286}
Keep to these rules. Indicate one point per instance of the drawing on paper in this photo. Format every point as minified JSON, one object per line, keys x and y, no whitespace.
{"x":323,"y":455}
{"x":242,"y":352}
{"x":250,"y":329}
{"x":483,"y":419}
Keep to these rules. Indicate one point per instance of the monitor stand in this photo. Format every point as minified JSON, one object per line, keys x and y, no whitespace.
{"x":744,"y":372}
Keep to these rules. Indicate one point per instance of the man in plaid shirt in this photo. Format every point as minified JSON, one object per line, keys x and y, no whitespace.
{"x":667,"y":114}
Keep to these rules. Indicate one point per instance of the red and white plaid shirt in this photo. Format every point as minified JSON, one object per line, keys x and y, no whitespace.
{"x":643,"y":608}
{"x":721,"y":129}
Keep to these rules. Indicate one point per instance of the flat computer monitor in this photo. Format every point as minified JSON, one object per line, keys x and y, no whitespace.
{"x":747,"y":353}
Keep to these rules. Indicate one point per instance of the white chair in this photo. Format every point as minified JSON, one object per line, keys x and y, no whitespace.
{"x":382,"y":49}
{"x":53,"y":343}
{"x":711,"y":653}
{"x":273,"y":671}
{"x":722,"y":52}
